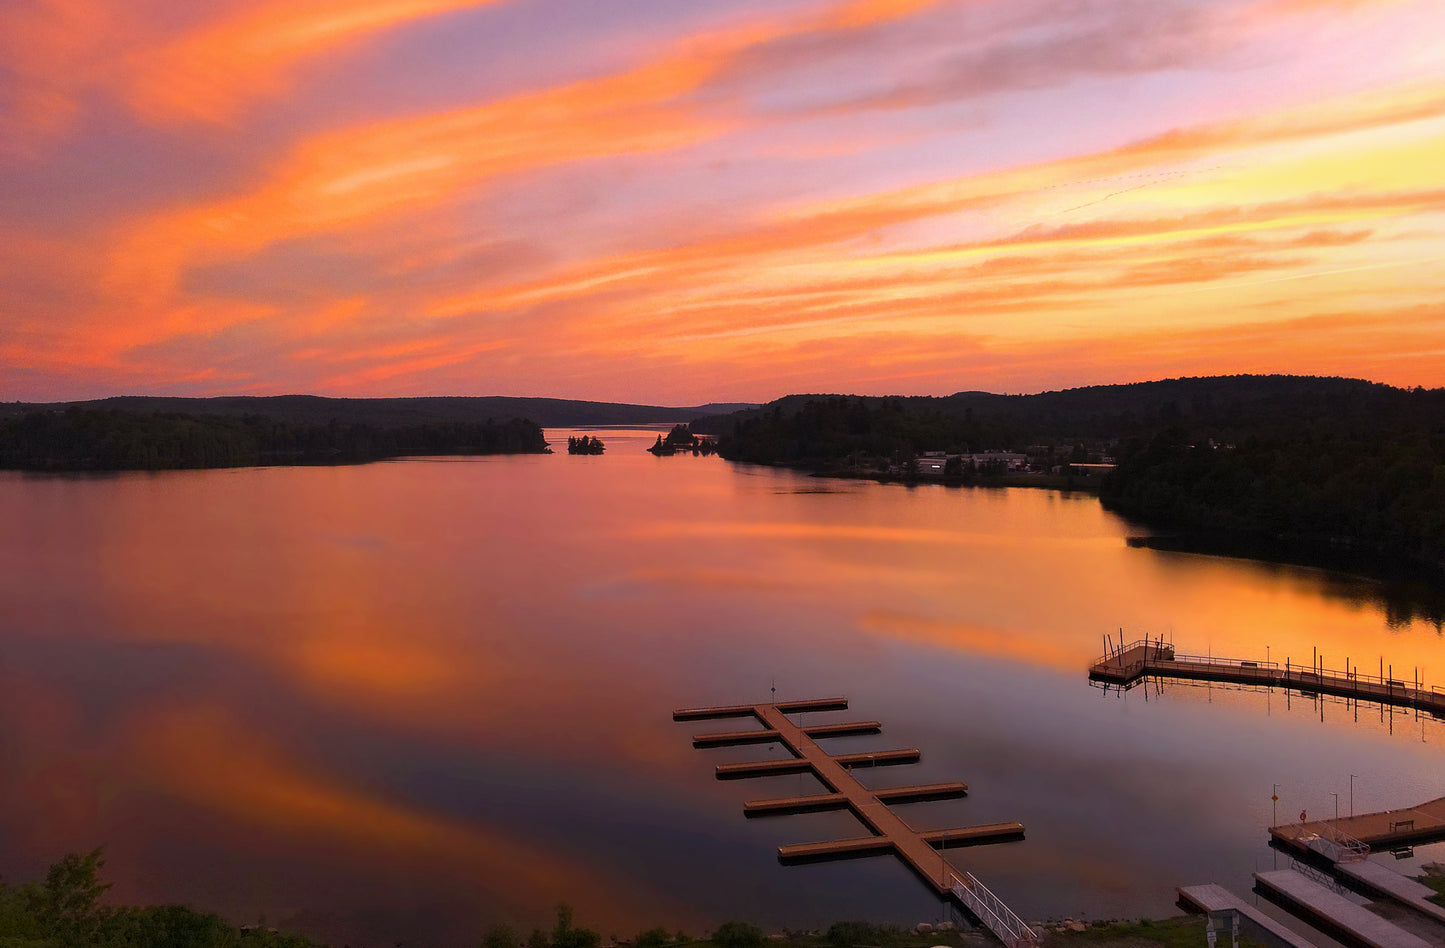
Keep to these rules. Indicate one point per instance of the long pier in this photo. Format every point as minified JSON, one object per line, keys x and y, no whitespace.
{"x":1130,"y":664}
{"x":921,"y":850}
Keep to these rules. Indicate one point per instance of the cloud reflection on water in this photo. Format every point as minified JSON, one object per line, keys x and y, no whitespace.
{"x":460,"y":674}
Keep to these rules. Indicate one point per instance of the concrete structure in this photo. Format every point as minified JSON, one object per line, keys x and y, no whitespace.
{"x":1333,"y":912}
{"x":1383,"y":881}
{"x":1218,"y":902}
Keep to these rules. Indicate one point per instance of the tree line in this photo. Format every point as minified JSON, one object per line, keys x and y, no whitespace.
{"x":67,"y":910}
{"x":84,"y":439}
{"x":1304,"y":460}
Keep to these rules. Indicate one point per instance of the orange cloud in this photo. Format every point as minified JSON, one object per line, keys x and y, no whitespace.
{"x":1074,"y":247}
{"x":353,"y":177}
{"x":211,"y":73}
{"x":48,"y":52}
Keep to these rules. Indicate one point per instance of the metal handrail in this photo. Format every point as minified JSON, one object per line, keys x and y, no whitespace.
{"x":991,"y":910}
{"x":1160,"y":648}
{"x":1227,"y":662}
{"x":1315,"y":875}
{"x":1351,"y":849}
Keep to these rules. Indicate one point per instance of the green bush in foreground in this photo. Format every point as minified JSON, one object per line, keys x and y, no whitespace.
{"x":738,"y":935}
{"x":65,"y":911}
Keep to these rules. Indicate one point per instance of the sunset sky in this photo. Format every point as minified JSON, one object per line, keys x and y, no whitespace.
{"x":680,"y":201}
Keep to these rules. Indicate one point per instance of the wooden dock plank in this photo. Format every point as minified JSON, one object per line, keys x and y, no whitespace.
{"x":705,"y":714}
{"x":763,"y":768}
{"x":973,"y":835}
{"x":734,"y":738}
{"x":812,"y":704}
{"x":836,"y":849}
{"x":1214,"y":898}
{"x":819,"y":802}
{"x":782,"y":806}
{"x":755,"y":736}
{"x":887,"y":758}
{"x":923,"y":793}
{"x":1303,"y":895}
{"x":750,"y":710}
{"x":843,"y":729}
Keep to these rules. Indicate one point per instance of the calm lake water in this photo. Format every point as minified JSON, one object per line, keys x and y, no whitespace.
{"x":402,"y":701}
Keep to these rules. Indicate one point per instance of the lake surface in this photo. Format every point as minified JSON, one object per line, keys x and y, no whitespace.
{"x":403,"y":701}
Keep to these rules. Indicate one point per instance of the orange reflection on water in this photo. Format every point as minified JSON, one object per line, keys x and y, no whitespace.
{"x":472,"y":663}
{"x":206,"y":755}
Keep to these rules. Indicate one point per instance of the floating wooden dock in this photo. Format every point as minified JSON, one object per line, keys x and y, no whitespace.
{"x":1385,"y":830}
{"x":1337,"y":914}
{"x":889,"y":833}
{"x":1130,"y":664}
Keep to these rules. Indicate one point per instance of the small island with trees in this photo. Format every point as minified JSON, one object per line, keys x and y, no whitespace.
{"x":585,"y":445}
{"x":681,"y":439}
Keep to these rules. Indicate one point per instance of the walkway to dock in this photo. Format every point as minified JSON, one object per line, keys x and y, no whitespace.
{"x":920,"y":850}
{"x":1388,"y":829}
{"x":1310,"y":899}
{"x":1129,"y":664}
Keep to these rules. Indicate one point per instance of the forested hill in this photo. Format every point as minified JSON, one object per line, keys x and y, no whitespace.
{"x":832,"y":425}
{"x":390,"y":412}
{"x":85,"y":439}
{"x":1304,"y":458}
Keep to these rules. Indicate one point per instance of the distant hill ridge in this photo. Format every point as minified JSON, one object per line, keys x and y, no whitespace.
{"x":1304,"y":461}
{"x":1116,"y":411}
{"x":394,"y":412}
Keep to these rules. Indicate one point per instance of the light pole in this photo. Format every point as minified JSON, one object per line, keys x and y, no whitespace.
{"x":1337,"y":806}
{"x":1352,"y":793}
{"x":1274,"y":816}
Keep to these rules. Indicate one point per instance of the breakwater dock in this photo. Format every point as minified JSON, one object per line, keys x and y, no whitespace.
{"x":888,"y":833}
{"x":1127,"y":665}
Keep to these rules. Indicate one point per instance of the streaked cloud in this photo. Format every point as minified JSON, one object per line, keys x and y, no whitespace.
{"x":913,"y":195}
{"x":211,"y":73}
